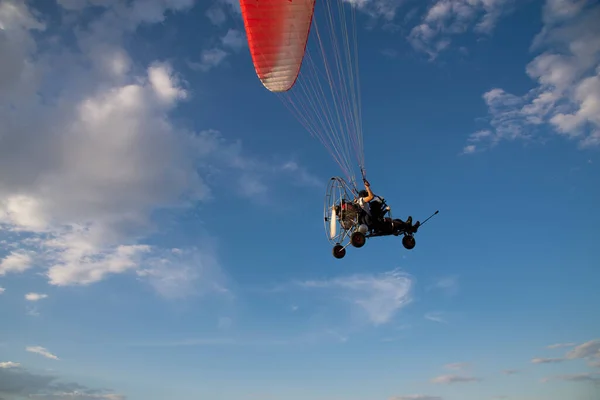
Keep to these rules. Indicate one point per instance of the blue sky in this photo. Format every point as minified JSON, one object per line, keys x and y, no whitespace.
{"x":161,"y":232}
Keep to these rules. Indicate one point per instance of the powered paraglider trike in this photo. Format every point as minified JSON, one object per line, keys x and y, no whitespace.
{"x":344,"y":224}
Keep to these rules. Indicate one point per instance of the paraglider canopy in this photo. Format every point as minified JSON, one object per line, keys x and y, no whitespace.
{"x":277,"y":33}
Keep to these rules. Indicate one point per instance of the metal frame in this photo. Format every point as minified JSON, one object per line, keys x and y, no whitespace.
{"x":338,"y":191}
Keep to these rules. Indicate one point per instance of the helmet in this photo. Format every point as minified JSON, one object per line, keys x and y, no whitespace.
{"x":363,"y":193}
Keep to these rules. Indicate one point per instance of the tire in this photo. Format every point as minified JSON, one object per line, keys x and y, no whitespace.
{"x":408,"y":242}
{"x":358,"y":239}
{"x":339,"y":251}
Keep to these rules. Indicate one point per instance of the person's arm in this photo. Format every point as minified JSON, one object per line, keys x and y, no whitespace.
{"x":371,"y":196}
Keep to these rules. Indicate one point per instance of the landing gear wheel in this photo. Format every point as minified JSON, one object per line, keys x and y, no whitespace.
{"x":339,"y":251}
{"x":408,"y":242}
{"x":358,"y":239}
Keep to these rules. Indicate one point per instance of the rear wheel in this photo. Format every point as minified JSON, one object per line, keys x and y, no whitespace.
{"x":358,"y":239}
{"x":339,"y":251}
{"x":408,"y":242}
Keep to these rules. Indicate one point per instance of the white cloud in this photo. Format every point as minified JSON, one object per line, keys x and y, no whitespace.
{"x":82,"y":263}
{"x":415,"y":397}
{"x":469,"y":149}
{"x":379,"y":296}
{"x":2,"y":290}
{"x":9,"y":364}
{"x":35,"y":296}
{"x":446,"y":18}
{"x":165,"y":86}
{"x":23,"y":212}
{"x":546,"y":360}
{"x":567,"y":95}
{"x":15,"y":262}
{"x":41,"y":351}
{"x":95,"y":163}
{"x":102,"y":155}
{"x":450,"y":379}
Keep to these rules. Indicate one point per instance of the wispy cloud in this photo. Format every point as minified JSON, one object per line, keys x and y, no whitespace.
{"x":447,"y":284}
{"x":209,"y":59}
{"x":2,"y":290}
{"x":390,"y":53}
{"x":41,"y":351}
{"x":386,"y":10}
{"x":224,"y":323}
{"x":33,"y":312}
{"x":338,"y":336}
{"x":510,"y":371}
{"x":450,"y":379}
{"x":538,"y":360}
{"x":9,"y":364}
{"x":560,"y":345}
{"x":216,"y":15}
{"x":568,"y":82}
{"x":380,"y":296}
{"x":312,"y":337}
{"x":447,"y":18}
{"x":221,"y":9}
{"x":35,"y":296}
{"x":436,"y":316}
{"x":179,"y":273}
{"x":457,"y":366}
{"x":585,"y":350}
{"x":300,"y":174}
{"x":234,"y":39}
{"x":583,"y":377}
{"x":17,"y":383}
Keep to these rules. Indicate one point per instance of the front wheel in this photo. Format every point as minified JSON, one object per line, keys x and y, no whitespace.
{"x":358,"y":239}
{"x":408,"y":242}
{"x":339,"y":251}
